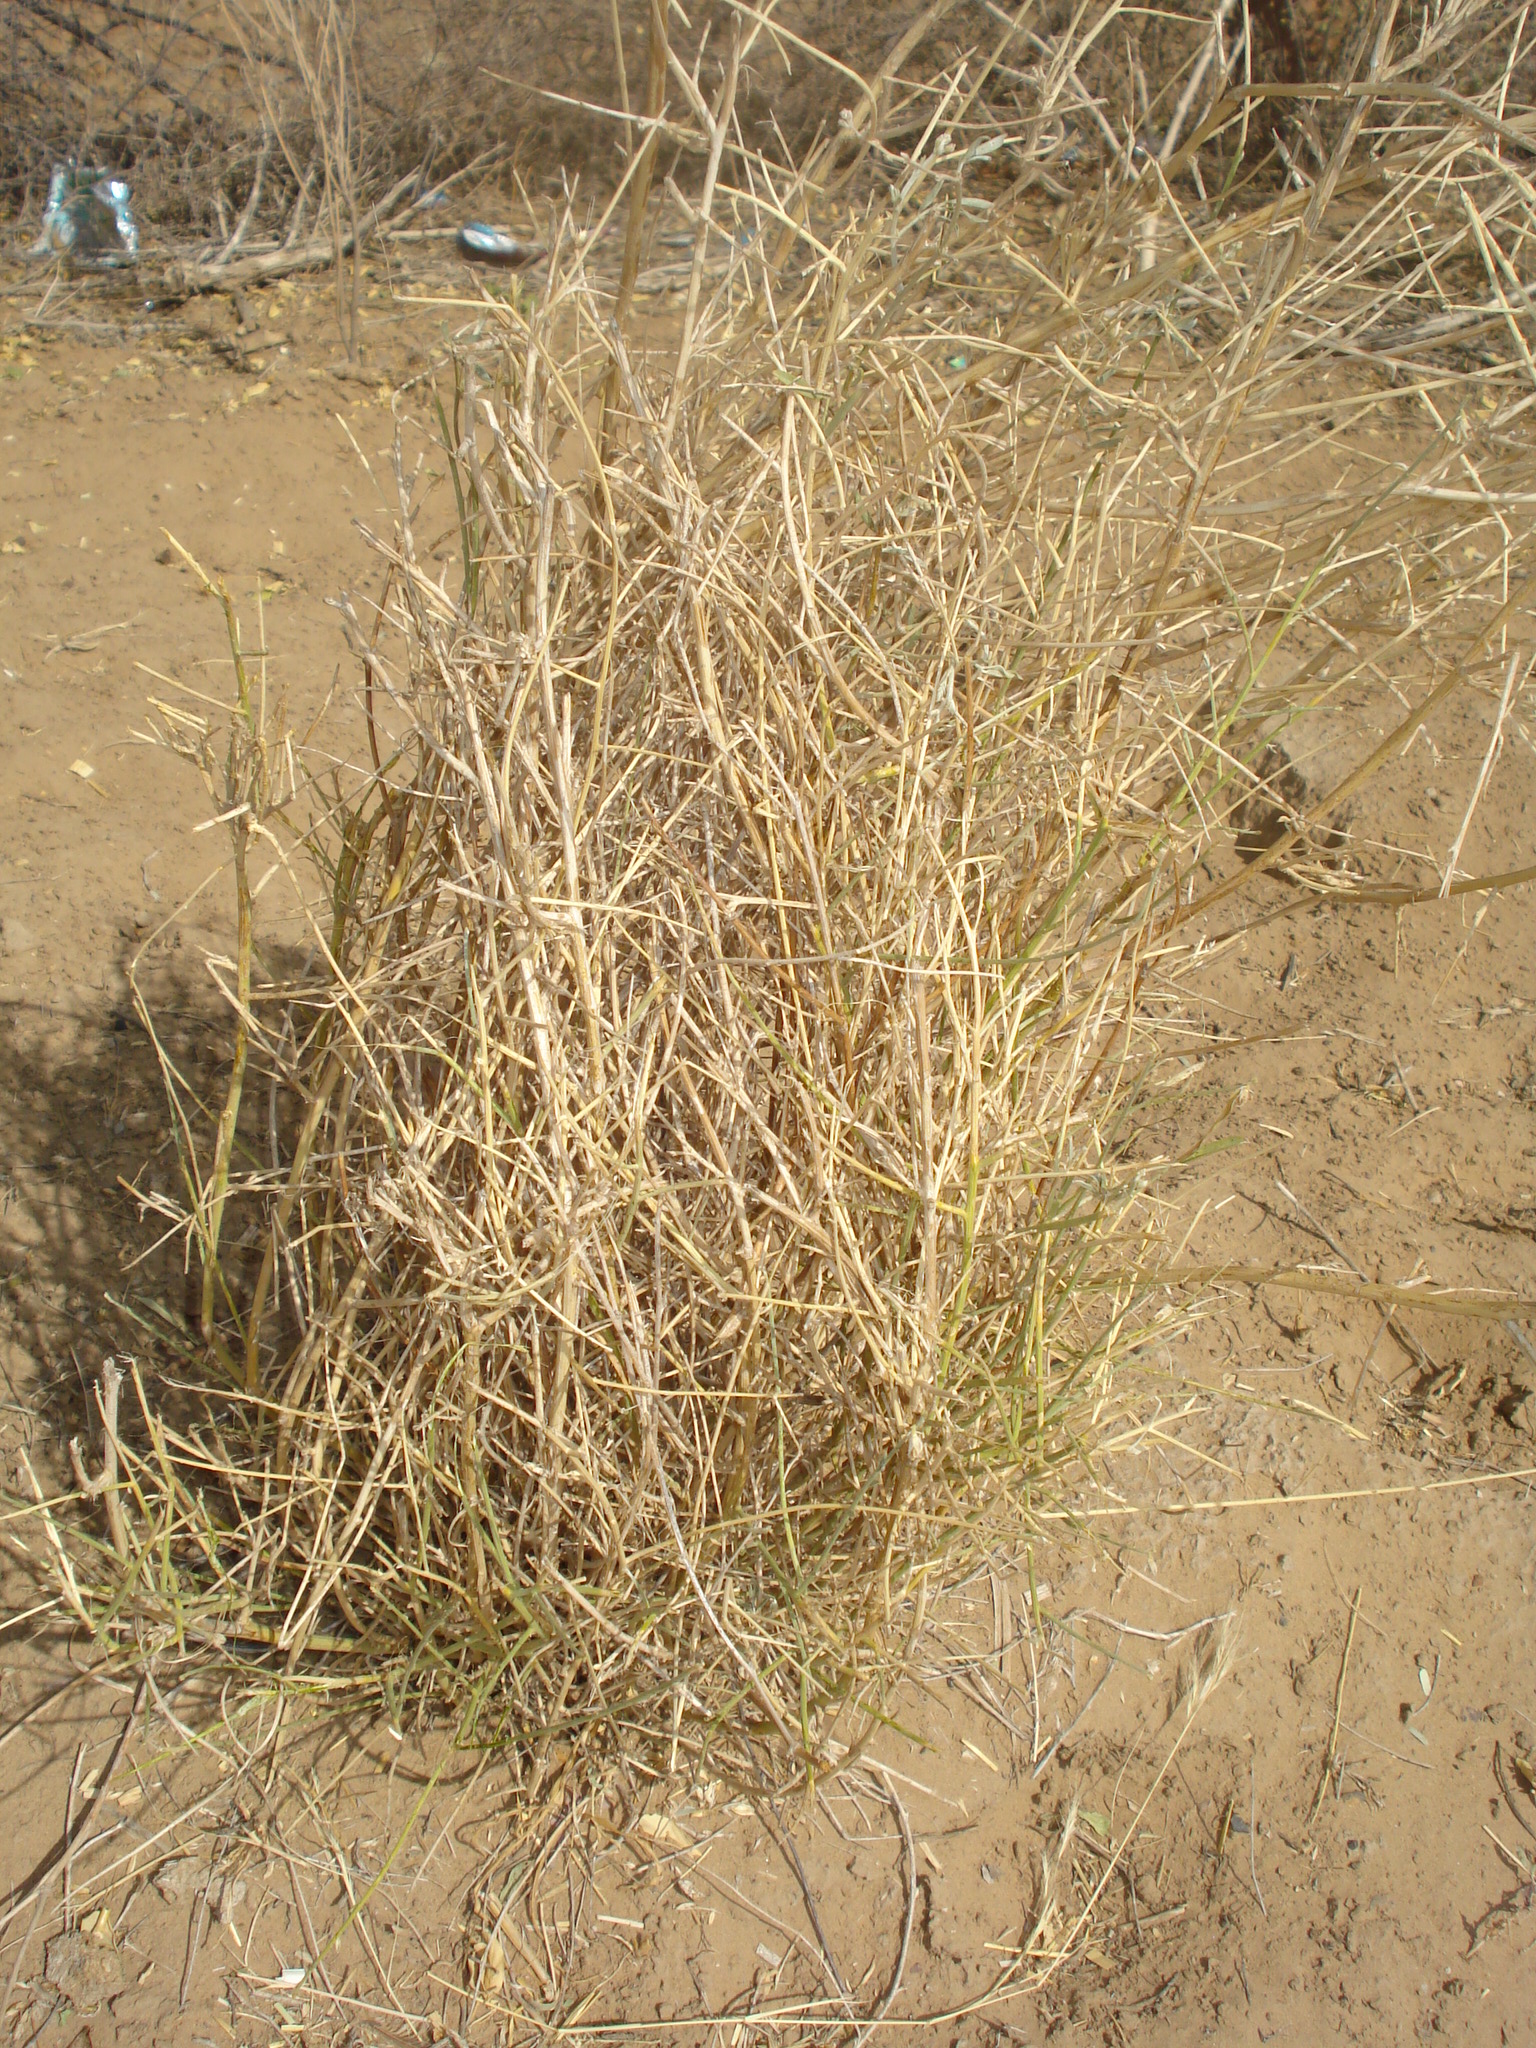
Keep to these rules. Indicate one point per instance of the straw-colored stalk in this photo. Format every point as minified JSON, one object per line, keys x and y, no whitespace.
{"x":714,"y":1188}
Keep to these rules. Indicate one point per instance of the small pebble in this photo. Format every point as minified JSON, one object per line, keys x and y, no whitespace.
{"x":176,"y":1877}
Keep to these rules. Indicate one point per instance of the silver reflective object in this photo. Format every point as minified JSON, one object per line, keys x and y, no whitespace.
{"x":481,"y":244}
{"x":88,"y":220}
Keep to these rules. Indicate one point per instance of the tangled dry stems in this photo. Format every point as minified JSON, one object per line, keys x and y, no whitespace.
{"x":713,"y":1189}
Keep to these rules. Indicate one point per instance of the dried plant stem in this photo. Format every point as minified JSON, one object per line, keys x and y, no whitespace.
{"x":104,"y":1487}
{"x":909,"y":1865}
{"x":1338,"y":1709}
{"x":224,"y":1142}
{"x":656,"y":61}
{"x":1495,"y":742}
{"x":718,"y":120}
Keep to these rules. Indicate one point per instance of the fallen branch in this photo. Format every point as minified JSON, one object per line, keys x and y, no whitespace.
{"x":187,"y":276}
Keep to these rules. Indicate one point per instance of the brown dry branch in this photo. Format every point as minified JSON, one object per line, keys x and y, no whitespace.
{"x":711,"y":1191}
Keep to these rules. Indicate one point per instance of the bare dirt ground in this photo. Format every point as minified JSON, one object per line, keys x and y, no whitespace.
{"x":1291,"y":1679}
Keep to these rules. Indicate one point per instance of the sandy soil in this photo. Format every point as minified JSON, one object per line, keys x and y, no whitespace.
{"x":1285,"y":1686}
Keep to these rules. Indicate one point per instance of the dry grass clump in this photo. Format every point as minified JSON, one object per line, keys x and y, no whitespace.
{"x":710,"y":1185}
